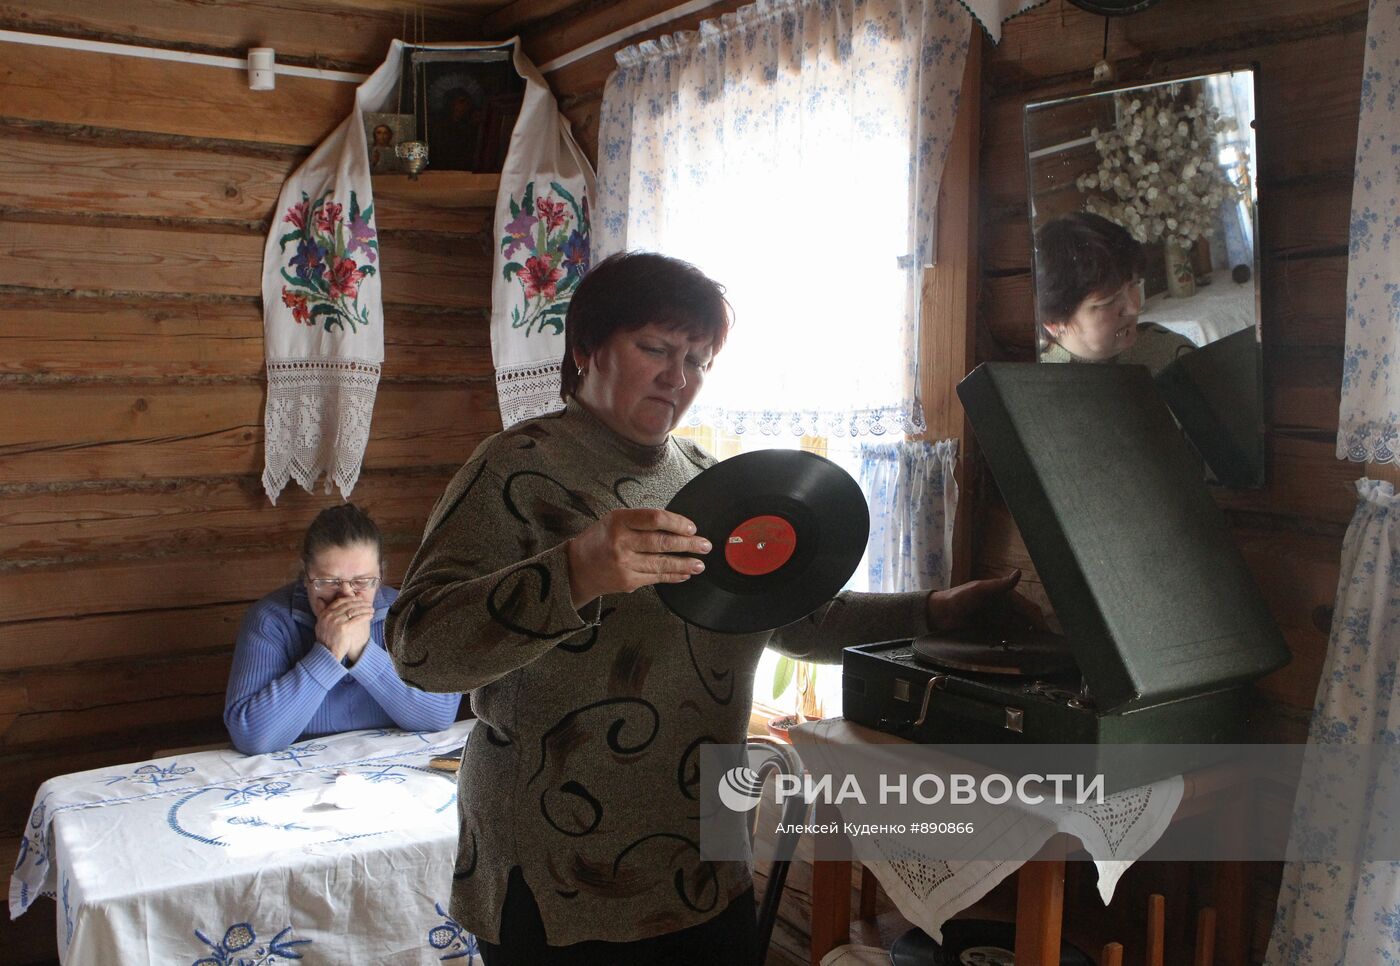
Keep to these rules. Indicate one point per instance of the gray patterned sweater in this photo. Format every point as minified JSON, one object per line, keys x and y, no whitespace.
{"x":583,"y":769}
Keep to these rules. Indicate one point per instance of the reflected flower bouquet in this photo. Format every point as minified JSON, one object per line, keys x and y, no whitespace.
{"x":1158,"y":172}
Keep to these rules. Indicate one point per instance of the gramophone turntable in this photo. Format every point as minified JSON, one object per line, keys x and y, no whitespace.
{"x":1163,"y":627}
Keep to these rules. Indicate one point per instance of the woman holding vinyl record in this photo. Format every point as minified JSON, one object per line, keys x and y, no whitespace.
{"x":579,"y":793}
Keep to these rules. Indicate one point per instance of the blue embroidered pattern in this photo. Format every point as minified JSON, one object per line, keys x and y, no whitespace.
{"x":298,"y":752}
{"x":33,"y":844}
{"x":240,"y":947}
{"x":452,"y":938}
{"x":204,"y":796}
{"x":153,"y":775}
{"x":67,"y":915}
{"x":257,"y":790}
{"x":394,"y":733}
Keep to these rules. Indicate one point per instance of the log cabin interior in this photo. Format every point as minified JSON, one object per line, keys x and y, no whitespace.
{"x":135,"y":197}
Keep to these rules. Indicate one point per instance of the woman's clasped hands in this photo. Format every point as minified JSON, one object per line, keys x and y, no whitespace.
{"x":343,"y":625}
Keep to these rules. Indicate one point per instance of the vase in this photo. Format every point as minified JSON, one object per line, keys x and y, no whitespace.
{"x":1181,"y":280}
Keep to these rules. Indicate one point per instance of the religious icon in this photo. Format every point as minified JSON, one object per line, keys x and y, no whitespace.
{"x":382,"y":133}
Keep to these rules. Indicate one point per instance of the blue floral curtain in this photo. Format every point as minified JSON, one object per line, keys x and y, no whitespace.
{"x":792,"y":150}
{"x":1370,"y":409}
{"x":1339,"y":912}
{"x":911,"y":542}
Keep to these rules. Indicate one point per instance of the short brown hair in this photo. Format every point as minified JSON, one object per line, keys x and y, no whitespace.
{"x":1079,"y":255}
{"x":628,"y":290}
{"x":340,"y":526}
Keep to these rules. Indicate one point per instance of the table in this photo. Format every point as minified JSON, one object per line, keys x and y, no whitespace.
{"x":1040,"y":886}
{"x":336,"y":850}
{"x":1215,"y":311}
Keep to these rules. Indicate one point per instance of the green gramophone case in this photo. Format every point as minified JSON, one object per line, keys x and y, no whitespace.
{"x":1165,"y":624}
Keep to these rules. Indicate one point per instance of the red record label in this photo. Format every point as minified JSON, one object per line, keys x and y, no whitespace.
{"x":760,"y":545}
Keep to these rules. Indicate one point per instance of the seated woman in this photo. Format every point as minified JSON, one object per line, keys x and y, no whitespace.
{"x":1087,"y":271}
{"x":310,"y":657}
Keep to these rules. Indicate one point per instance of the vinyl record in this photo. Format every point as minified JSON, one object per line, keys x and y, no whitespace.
{"x":1034,"y":654}
{"x":970,"y":942}
{"x":788,"y":529}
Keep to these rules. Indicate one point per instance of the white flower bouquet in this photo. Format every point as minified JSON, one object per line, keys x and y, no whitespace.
{"x":1158,"y":175}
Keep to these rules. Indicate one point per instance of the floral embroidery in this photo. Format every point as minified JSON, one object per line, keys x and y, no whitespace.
{"x":324,"y":282}
{"x":553,"y":232}
{"x":385,"y":774}
{"x":254,"y":822}
{"x":153,"y":775}
{"x":297,"y":752}
{"x":237,"y":948}
{"x":67,"y":914}
{"x":33,"y":843}
{"x":388,"y":732}
{"x":258,"y":790}
{"x":450,"y":936}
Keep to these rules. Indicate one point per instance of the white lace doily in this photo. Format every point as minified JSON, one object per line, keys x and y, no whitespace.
{"x":929,"y":891}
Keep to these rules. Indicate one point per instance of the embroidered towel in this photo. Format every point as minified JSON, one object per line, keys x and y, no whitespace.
{"x":323,"y":321}
{"x":323,"y":315}
{"x":542,"y":251}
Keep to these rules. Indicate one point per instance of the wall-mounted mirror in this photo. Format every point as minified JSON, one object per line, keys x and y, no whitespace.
{"x":1145,"y":222}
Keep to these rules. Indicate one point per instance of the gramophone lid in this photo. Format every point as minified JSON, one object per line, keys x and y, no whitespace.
{"x":1134,"y":553}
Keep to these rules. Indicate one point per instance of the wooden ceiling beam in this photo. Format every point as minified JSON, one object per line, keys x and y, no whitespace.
{"x":619,"y":22}
{"x":511,"y":17}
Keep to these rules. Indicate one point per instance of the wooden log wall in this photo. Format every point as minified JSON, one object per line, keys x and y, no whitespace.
{"x":1308,"y":55}
{"x":135,"y":197}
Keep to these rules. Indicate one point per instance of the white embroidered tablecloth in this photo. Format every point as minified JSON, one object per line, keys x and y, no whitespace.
{"x":929,"y":891}
{"x":336,"y":850}
{"x":1215,"y":311}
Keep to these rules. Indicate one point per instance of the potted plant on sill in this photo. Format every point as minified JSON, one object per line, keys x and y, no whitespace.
{"x":809,"y":705}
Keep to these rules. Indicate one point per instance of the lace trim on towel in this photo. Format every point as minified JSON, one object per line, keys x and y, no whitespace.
{"x":527,"y":391}
{"x":317,"y":422}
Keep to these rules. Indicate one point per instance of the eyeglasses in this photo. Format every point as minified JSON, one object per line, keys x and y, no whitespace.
{"x":356,"y":584}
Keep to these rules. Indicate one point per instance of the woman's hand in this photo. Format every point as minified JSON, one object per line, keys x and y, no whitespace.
{"x":628,"y":549}
{"x":989,"y":602}
{"x":343,"y":627}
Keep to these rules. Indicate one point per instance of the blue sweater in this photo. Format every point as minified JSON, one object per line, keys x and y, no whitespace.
{"x":285,"y":686}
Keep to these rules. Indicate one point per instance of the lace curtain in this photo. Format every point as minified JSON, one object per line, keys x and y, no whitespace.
{"x":911,"y":545}
{"x":792,"y":151}
{"x":1370,"y":409}
{"x":1339,"y":912}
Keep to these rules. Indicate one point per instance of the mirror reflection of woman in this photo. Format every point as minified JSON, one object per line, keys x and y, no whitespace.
{"x":310,"y":657}
{"x":1089,"y":294}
